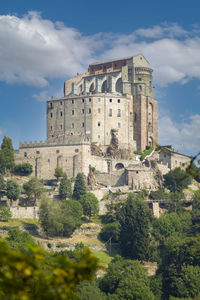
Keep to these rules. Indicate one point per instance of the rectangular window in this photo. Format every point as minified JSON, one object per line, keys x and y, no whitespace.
{"x":51,"y":128}
{"x":99,"y":99}
{"x":83,"y":124}
{"x":110,"y":112}
{"x":51,"y":115}
{"x":83,"y":100}
{"x":37,"y":152}
{"x":119,"y":112}
{"x":119,"y":125}
{"x":99,"y":123}
{"x":99,"y":110}
{"x":90,"y":99}
{"x":51,"y":105}
{"x":72,"y":112}
{"x":83,"y":111}
{"x":61,"y":114}
{"x":118,"y":100}
{"x":57,"y":151}
{"x":72,"y":101}
{"x":72,"y":125}
{"x":61,"y":126}
{"x":98,"y":136}
{"x":25,"y":154}
{"x":60,"y":102}
{"x":89,"y":110}
{"x":110,"y":100}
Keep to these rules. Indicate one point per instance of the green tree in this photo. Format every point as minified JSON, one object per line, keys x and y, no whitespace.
{"x":2,"y":186}
{"x":12,"y":190}
{"x":7,"y":161}
{"x":35,"y":274}
{"x":90,"y":204}
{"x":176,"y":180}
{"x":65,"y":188}
{"x":33,"y":189}
{"x":79,"y":186}
{"x":23,"y":169}
{"x":58,"y":173}
{"x":60,"y":218}
{"x":175,"y":202}
{"x":110,"y":231}
{"x":18,"y":239}
{"x":89,"y":291}
{"x":5,"y":213}
{"x":126,"y":279}
{"x":135,"y":220}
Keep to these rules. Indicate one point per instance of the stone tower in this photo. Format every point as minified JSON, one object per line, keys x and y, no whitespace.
{"x":116,"y":94}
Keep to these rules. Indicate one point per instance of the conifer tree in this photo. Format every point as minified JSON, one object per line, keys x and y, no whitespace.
{"x":13,"y":190}
{"x":65,"y":188}
{"x":6,"y":155}
{"x":79,"y":187}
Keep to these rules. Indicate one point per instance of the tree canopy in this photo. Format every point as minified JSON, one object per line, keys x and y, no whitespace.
{"x":65,"y":187}
{"x":79,"y":187}
{"x":176,"y":180}
{"x":90,"y":204}
{"x":33,"y":189}
{"x":7,"y":161}
{"x":12,"y":190}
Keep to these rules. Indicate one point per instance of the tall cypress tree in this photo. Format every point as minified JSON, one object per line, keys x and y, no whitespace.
{"x":7,"y":161}
{"x":65,"y":188}
{"x":79,"y":187}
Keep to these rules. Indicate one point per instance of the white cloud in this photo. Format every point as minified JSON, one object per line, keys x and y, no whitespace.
{"x":184,"y":136}
{"x":33,"y":50}
{"x":47,"y":94}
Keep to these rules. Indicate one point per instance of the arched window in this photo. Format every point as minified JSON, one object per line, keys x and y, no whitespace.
{"x":91,"y":87}
{"x":119,"y":166}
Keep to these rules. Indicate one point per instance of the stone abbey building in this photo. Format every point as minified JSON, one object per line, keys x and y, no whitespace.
{"x":114,"y":98}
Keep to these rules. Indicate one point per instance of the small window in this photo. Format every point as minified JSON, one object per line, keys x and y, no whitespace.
{"x":90,"y":99}
{"x":37,"y":152}
{"x":140,"y":87}
{"x":76,"y":150}
{"x":72,"y":125}
{"x":48,"y":160}
{"x":61,"y":113}
{"x":72,"y":101}
{"x":119,"y":125}
{"x":110,"y":112}
{"x":99,"y":123}
{"x":57,"y":151}
{"x":176,"y":162}
{"x":61,"y":126}
{"x":139,"y":79}
{"x":119,"y":112}
{"x":118,"y":100}
{"x":99,"y":99}
{"x":51,"y":105}
{"x":51,"y":128}
{"x":83,"y":100}
{"x":72,"y":112}
{"x":110,"y":100}
{"x":99,"y":137}
{"x":60,"y":102}
{"x":25,"y":154}
{"x":89,"y":110}
{"x":83,"y":111}
{"x":51,"y":115}
{"x":83,"y":124}
{"x":99,"y":110}
{"x":135,"y":117}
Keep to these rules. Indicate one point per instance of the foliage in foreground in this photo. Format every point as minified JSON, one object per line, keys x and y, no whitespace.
{"x":38,"y":275}
{"x":23,"y":169}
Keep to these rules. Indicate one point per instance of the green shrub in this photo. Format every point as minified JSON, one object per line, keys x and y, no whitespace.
{"x":23,"y":169}
{"x":111,"y":230}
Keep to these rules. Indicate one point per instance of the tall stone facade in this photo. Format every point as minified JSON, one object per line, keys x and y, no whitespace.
{"x":116,"y":94}
{"x":113,"y":96}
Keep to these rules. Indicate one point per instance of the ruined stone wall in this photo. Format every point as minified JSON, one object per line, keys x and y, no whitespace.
{"x":139,"y":179}
{"x":24,"y":212}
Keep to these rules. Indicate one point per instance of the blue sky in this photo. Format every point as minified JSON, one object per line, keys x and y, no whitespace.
{"x":45,"y":42}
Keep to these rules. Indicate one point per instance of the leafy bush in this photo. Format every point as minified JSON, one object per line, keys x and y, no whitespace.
{"x":90,"y":204}
{"x":176,"y":180}
{"x":18,"y":239}
{"x":23,"y":169}
{"x":145,"y":153}
{"x":5,"y":213}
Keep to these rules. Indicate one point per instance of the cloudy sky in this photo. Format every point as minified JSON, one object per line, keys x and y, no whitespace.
{"x":45,"y":42}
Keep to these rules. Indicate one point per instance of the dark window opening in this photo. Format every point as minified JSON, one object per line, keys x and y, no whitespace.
{"x":83,"y":100}
{"x":119,"y":113}
{"x":72,"y":112}
{"x":99,"y":123}
{"x":83,"y":111}
{"x":51,"y":115}
{"x":90,"y":99}
{"x":89,"y":110}
{"x":76,"y":150}
{"x":72,"y":101}
{"x":118,"y":100}
{"x":110,"y":112}
{"x":57,"y":151}
{"x":110,"y":100}
{"x":37,"y":152}
{"x":83,"y":124}
{"x":61,"y":113}
{"x":25,"y":154}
